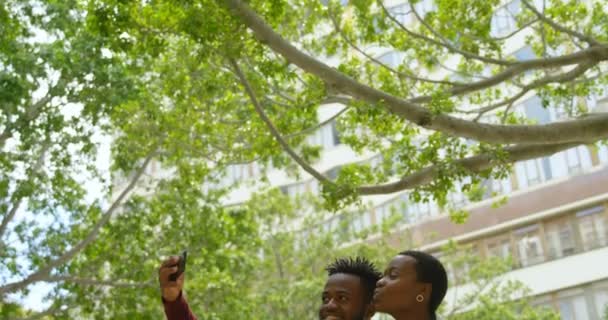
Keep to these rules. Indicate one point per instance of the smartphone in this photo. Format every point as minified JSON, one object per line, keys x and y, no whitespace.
{"x":181,"y":266}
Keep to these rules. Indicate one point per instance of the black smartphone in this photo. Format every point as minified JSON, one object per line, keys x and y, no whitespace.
{"x":181,"y":266}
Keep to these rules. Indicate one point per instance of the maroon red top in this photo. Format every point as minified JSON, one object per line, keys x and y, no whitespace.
{"x":178,"y":309}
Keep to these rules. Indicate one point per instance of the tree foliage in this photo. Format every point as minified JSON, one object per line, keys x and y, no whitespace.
{"x":187,"y":88}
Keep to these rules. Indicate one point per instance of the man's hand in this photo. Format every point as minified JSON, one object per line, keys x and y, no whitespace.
{"x":170,"y":290}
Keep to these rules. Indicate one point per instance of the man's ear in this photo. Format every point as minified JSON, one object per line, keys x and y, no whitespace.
{"x":369,"y":311}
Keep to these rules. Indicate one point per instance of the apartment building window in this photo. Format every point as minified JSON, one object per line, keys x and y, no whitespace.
{"x":323,"y":137}
{"x":313,"y":186}
{"x":525,"y":53}
{"x":593,"y":227}
{"x":295,"y":190}
{"x":402,"y":13}
{"x":601,"y":300}
{"x":503,"y":21}
{"x":573,"y":307}
{"x":560,"y":239}
{"x":529,"y":246}
{"x":573,"y":161}
{"x":375,"y":161}
{"x":425,"y":6}
{"x":500,"y":187}
{"x":362,"y":221}
{"x":332,"y":174}
{"x":381,"y":213}
{"x":499,"y":247}
{"x":533,"y":172}
{"x":458,"y":198}
{"x":402,"y":205}
{"x":528,"y":172}
{"x":602,"y":153}
{"x":335,"y":133}
{"x":392,"y":58}
{"x":342,"y":2}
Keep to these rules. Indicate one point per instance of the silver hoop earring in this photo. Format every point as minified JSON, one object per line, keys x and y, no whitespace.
{"x":419,"y":298}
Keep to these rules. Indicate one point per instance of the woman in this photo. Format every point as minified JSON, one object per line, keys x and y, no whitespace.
{"x":412,"y":287}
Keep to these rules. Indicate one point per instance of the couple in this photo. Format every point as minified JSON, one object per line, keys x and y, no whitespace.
{"x":411,"y":288}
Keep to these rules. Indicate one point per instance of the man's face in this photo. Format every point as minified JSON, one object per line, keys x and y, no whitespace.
{"x":343,"y":298}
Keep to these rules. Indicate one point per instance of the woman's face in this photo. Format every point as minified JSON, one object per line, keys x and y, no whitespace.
{"x":396,"y":291}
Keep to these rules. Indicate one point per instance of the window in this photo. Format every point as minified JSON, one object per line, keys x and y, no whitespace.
{"x":457,"y":197}
{"x":573,"y":308}
{"x":503,"y":21}
{"x":402,"y":205}
{"x":525,"y":53}
{"x":500,"y":187}
{"x":332,"y":174}
{"x":376,"y":161}
{"x":295,"y":190}
{"x":532,"y":172}
{"x":499,"y":247}
{"x":603,"y":153}
{"x":392,"y":58}
{"x":382,"y":213}
{"x":362,"y":221}
{"x":529,"y":246}
{"x":425,"y":6}
{"x":560,"y":239}
{"x":534,"y":110}
{"x":313,"y":186}
{"x":601,"y":300}
{"x":593,"y":227}
{"x":573,"y":161}
{"x":335,"y":133}
{"x":402,"y":13}
{"x":323,"y":137}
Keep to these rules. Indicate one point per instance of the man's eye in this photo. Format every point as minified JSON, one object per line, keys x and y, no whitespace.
{"x":325,"y":299}
{"x":343,"y":298}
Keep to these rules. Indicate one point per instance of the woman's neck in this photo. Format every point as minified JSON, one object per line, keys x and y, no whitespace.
{"x":412,"y":315}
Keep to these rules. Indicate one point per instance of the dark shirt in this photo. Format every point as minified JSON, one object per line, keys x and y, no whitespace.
{"x":178,"y":309}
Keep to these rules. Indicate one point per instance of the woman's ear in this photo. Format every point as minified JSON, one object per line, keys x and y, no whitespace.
{"x":427,"y":289}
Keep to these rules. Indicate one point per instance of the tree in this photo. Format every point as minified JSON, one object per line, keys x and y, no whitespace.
{"x":394,"y":102}
{"x":192,"y":87}
{"x":488,"y":296}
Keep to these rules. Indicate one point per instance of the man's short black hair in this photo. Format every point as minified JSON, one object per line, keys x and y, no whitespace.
{"x":360,"y":267}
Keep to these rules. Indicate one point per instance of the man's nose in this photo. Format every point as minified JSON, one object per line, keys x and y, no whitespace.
{"x":331,"y":304}
{"x":380,"y":283}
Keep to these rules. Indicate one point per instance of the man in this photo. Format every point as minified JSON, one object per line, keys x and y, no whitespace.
{"x":347,"y":294}
{"x":349,"y":290}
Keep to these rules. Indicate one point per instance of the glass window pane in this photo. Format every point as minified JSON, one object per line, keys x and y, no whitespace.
{"x":529,"y":246}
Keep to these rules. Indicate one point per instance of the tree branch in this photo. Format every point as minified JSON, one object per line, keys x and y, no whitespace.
{"x":472,"y":164}
{"x":590,"y":129}
{"x":46,"y":270}
{"x":558,"y":27}
{"x":19,"y":199}
{"x":559,"y":78}
{"x":41,"y":315}
{"x":273,"y":130}
{"x":445,"y":44}
{"x":95,"y":282}
{"x":380,"y":63}
{"x":314,"y":128}
{"x":500,"y":77}
{"x":31,"y":113}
